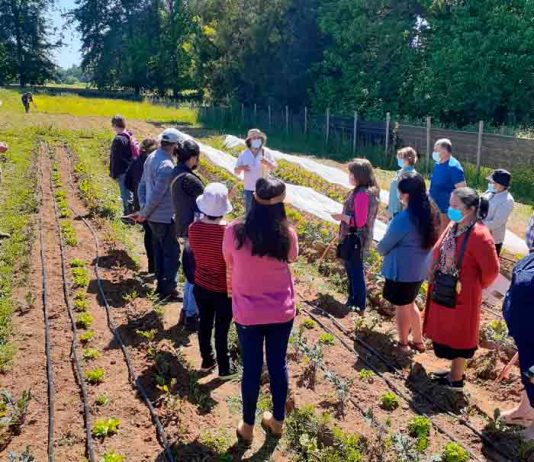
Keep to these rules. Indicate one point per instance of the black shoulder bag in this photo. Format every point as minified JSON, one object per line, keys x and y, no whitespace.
{"x":446,"y":287}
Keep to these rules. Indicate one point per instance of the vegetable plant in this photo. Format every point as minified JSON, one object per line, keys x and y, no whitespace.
{"x":84,"y":320}
{"x":86,"y":337}
{"x":80,"y":277}
{"x":341,"y":388}
{"x":389,"y":401}
{"x":327,"y":339}
{"x":308,"y":323}
{"x":77,"y":263}
{"x":90,"y":354}
{"x":95,"y":376}
{"x":69,"y":234}
{"x":453,"y":452}
{"x":111,"y":456}
{"x":105,"y":427}
{"x":419,"y":427}
{"x":366,"y":375}
{"x":101,"y":400}
{"x":81,"y":305}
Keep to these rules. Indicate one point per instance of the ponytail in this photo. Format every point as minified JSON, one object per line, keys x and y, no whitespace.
{"x":471,"y":199}
{"x":483,"y":208}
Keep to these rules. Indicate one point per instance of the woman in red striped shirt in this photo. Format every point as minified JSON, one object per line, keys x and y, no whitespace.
{"x":211,"y":293}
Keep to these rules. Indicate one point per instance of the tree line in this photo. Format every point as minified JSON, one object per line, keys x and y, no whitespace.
{"x":458,"y":61}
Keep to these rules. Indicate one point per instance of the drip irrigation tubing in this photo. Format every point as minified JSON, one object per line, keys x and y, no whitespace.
{"x":44,"y":298}
{"x":74,"y":342}
{"x":134,"y":380}
{"x":393,"y":369}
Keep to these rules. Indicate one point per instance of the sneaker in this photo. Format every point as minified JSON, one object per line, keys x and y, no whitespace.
{"x":174,"y":296}
{"x":444,"y":381}
{"x":207,"y":366}
{"x":191,"y":324}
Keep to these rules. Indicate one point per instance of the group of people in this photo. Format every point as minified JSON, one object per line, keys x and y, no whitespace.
{"x":449,"y":236}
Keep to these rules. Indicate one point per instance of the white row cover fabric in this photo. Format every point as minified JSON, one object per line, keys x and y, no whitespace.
{"x":512,"y":242}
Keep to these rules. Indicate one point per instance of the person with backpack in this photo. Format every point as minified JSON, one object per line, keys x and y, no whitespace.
{"x":464,"y":263}
{"x":211,"y":289}
{"x":258,"y":250}
{"x":356,"y":228}
{"x":124,"y":149}
{"x":519,"y":317}
{"x":132,"y":180}
{"x":186,"y":188}
{"x":410,"y":237}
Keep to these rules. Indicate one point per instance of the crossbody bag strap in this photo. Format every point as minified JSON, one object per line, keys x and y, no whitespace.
{"x":462,"y":249}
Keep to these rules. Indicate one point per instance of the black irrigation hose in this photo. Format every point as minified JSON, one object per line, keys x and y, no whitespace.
{"x":74,"y":342}
{"x":44,"y":297}
{"x":396,"y":372}
{"x":134,"y":380}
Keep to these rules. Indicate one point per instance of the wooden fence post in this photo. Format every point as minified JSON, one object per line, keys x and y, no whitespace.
{"x":287,"y":119}
{"x":255,"y":114}
{"x":355,"y":133}
{"x":428,"y":130}
{"x":479,"y":145}
{"x":327,"y":134}
{"x":388,"y":123}
{"x":270,"y":117}
{"x":305,"y":120}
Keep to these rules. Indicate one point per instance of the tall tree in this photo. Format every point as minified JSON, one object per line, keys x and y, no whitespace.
{"x":25,"y":40}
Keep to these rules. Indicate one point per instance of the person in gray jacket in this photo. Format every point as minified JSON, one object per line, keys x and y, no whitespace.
{"x":501,"y":205}
{"x":407,"y":248}
{"x":155,"y":200}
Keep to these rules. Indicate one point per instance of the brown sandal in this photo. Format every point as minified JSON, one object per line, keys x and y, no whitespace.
{"x":245,"y":441}
{"x":417,"y":346}
{"x":272,"y":426}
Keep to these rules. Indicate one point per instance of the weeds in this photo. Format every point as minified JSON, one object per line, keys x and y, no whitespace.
{"x":95,"y":376}
{"x":84,"y":320}
{"x":103,"y":428}
{"x":389,"y":401}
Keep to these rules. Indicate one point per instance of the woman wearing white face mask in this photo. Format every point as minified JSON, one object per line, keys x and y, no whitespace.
{"x":501,"y":205}
{"x":447,"y":176}
{"x":406,"y":158}
{"x":464,"y":263}
{"x":254,"y":163}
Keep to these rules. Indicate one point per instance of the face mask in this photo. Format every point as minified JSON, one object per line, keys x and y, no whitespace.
{"x":435,"y":156}
{"x":194,"y":167}
{"x":491,"y":188}
{"x":256,"y":144}
{"x":455,"y":215}
{"x":400,"y":162}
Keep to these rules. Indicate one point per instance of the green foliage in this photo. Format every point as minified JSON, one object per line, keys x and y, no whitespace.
{"x":308,"y":323}
{"x":95,"y":376}
{"x":453,"y":452}
{"x":366,"y":375}
{"x":105,"y":427}
{"x":69,"y":234}
{"x":12,"y":414}
{"x":101,"y":400}
{"x":90,"y":354}
{"x":389,"y":401}
{"x":26,"y":456}
{"x":149,"y":335}
{"x":86,"y":337}
{"x":327,"y":339}
{"x":111,"y":456}
{"x":80,"y":277}
{"x":77,"y":263}
{"x":419,"y":427}
{"x":81,"y":305}
{"x":84,"y":320}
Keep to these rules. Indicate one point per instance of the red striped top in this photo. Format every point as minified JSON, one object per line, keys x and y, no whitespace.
{"x":206,"y":240}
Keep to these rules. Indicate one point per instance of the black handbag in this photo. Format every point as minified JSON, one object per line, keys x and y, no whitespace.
{"x":446,"y":287}
{"x":350,"y":247}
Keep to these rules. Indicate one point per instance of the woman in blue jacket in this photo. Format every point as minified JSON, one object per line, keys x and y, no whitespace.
{"x":406,"y":248}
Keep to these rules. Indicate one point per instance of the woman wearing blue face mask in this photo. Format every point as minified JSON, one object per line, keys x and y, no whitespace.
{"x":406,"y":159}
{"x":501,"y":205}
{"x":447,"y":175}
{"x":464,"y":263}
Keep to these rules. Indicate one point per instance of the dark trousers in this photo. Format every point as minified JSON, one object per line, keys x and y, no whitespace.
{"x":526,"y":361}
{"x":356,"y":280}
{"x":214,"y":309}
{"x":498,"y":247}
{"x":251,"y":338}
{"x":166,"y":256}
{"x":149,"y":247}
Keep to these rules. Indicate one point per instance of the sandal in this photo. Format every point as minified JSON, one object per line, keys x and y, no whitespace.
{"x":272,"y":426}
{"x":246,"y":441}
{"x":417,"y":346}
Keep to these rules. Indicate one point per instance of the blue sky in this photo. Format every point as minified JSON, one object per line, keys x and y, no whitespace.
{"x":69,"y":53}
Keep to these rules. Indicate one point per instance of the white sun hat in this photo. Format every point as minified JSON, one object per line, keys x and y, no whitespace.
{"x":214,"y":201}
{"x":170,"y":135}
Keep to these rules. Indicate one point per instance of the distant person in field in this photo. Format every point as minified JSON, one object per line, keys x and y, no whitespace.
{"x":3,"y":149}
{"x":26,"y":99}
{"x":186,"y":187}
{"x":254,"y":163}
{"x":258,"y":250}
{"x":120,"y":158}
{"x":447,"y":176}
{"x":356,"y":228}
{"x":211,"y":289}
{"x":132,"y":180}
{"x":155,"y":199}
{"x":501,"y":205}
{"x":464,"y":263}
{"x":407,"y":248}
{"x":406,"y":160}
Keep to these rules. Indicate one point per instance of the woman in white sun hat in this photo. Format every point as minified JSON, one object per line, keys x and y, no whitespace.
{"x":211,"y":293}
{"x":255,"y":163}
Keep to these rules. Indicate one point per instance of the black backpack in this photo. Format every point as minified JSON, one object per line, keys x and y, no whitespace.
{"x":518,"y":306}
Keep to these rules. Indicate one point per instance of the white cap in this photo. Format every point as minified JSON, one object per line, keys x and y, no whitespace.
{"x":170,"y":135}
{"x":214,"y":201}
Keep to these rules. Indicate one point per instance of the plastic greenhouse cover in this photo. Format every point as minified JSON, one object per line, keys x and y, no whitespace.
{"x":512,"y":242}
{"x":303,"y":198}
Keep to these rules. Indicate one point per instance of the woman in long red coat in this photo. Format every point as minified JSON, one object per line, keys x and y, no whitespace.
{"x":454,"y":331}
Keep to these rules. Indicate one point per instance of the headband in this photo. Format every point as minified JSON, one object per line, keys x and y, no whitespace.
{"x":273,"y":201}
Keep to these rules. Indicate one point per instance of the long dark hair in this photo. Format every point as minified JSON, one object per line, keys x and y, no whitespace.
{"x":419,"y":208}
{"x":266,"y":226}
{"x":364,"y":175}
{"x":471,"y":199}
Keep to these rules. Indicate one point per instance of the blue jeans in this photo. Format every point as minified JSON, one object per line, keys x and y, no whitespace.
{"x":251,"y":338}
{"x":126,"y":194}
{"x":249,"y":197}
{"x":190,"y":304}
{"x":166,"y":256}
{"x":357,"y":289}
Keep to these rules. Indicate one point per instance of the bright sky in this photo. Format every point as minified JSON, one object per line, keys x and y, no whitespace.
{"x":69,"y":53}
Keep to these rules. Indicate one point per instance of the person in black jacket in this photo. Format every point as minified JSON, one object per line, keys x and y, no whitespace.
{"x":185,"y":189}
{"x":132,"y":179}
{"x":120,"y":157}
